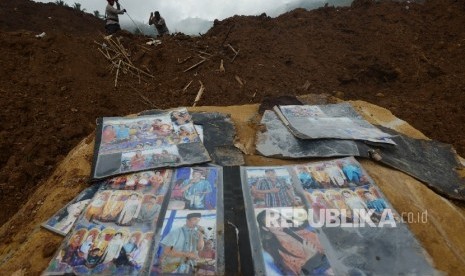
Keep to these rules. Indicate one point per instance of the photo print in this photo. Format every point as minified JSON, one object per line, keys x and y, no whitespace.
{"x":194,"y":188}
{"x":289,"y":246}
{"x":188,"y":243}
{"x":99,"y":250}
{"x":335,"y":121}
{"x":271,"y":187}
{"x":139,"y":143}
{"x":64,"y":219}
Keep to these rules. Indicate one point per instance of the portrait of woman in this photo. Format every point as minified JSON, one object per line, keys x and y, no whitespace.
{"x":291,"y":250}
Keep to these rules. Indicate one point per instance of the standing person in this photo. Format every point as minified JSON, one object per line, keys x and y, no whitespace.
{"x":277,"y":192}
{"x":182,"y":245}
{"x":196,"y":189}
{"x":114,"y":247}
{"x":130,"y":211}
{"x":159,"y":23}
{"x":111,"y":17}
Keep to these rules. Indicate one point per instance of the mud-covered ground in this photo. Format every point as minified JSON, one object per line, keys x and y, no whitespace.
{"x":411,"y":61}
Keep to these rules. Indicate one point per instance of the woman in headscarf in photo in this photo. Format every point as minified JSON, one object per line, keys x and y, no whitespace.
{"x":291,"y":250}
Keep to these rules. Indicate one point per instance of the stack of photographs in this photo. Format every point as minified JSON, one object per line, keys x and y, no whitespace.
{"x":124,"y":229}
{"x":334,"y":121}
{"x":115,"y":234}
{"x":167,"y":139}
{"x":191,"y":241}
{"x":65,"y":218}
{"x":325,"y":218}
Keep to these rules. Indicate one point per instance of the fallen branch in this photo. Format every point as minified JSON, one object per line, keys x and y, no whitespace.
{"x":235,"y":52}
{"x":187,"y":86}
{"x":145,"y":98}
{"x":204,"y":53}
{"x":222,"y":70}
{"x":227,"y":34}
{"x":139,"y":70}
{"x":239,"y":80}
{"x":199,"y":94}
{"x":195,"y":65}
{"x":117,"y":72}
{"x":184,"y":60}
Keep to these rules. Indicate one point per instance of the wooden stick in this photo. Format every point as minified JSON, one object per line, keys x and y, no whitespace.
{"x":184,"y":60}
{"x":222,"y":67}
{"x":195,"y":65}
{"x":107,"y":57}
{"x":145,"y":98}
{"x":135,"y":68}
{"x":187,"y":86}
{"x":117,"y":72}
{"x":235,"y":56}
{"x":205,"y":53}
{"x":227,"y":34}
{"x":239,"y":80}
{"x":199,"y":94}
{"x":234,"y":50}
{"x":121,"y":51}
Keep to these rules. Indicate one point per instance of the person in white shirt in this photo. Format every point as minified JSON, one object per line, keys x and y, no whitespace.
{"x":111,"y":17}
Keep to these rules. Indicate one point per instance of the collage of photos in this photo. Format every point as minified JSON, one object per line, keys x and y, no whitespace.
{"x":349,"y":201}
{"x":97,"y":250}
{"x":342,"y":173}
{"x":194,"y":188}
{"x":155,"y":182}
{"x":188,"y":243}
{"x":340,"y":184}
{"x":145,"y":142}
{"x":312,"y":122}
{"x":116,"y":231}
{"x":271,"y":187}
{"x":288,"y":247}
{"x":64,"y":219}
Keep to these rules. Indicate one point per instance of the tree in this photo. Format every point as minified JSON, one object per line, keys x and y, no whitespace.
{"x":77,"y":6}
{"x":97,"y":14}
{"x":61,"y":3}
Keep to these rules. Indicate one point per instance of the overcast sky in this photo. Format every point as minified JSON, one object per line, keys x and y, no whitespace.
{"x":175,"y":11}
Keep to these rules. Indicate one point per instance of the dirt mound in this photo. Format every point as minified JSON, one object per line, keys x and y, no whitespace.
{"x":39,"y":17}
{"x":410,"y":61}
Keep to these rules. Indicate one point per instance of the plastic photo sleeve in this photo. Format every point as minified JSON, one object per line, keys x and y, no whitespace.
{"x":126,"y":145}
{"x":195,"y":188}
{"x":191,"y":240}
{"x":100,"y":250}
{"x":116,"y":231}
{"x":64,"y":219}
{"x":339,"y":121}
{"x":271,"y":187}
{"x":188,"y":243}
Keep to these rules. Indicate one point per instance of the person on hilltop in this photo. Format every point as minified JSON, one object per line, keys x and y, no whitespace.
{"x":159,"y":23}
{"x":111,"y":17}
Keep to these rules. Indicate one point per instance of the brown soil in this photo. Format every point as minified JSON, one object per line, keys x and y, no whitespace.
{"x":52,"y":89}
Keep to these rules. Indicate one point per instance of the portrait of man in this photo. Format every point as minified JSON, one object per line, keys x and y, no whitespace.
{"x":182,"y":245}
{"x":196,"y":189}
{"x":277,"y":192}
